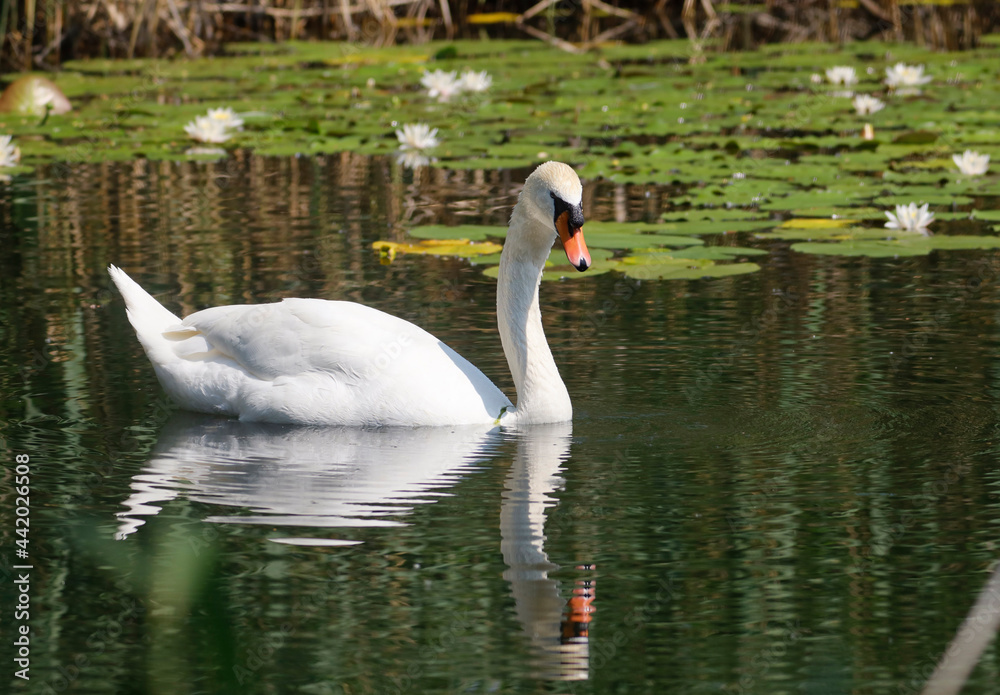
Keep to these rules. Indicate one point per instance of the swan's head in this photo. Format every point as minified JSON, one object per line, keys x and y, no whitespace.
{"x":554,"y":196}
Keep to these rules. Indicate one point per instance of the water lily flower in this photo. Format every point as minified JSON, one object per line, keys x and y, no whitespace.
{"x":208,"y":129}
{"x":226,"y":116}
{"x":217,"y":152}
{"x":417,"y":136}
{"x":412,"y":159}
{"x":10,"y":154}
{"x":866,"y":105}
{"x":471,"y":81}
{"x":972,"y":163}
{"x":868,"y":132}
{"x":441,"y":84}
{"x":816,"y":78}
{"x":842,"y":74}
{"x":903,"y":75}
{"x":910,"y":218}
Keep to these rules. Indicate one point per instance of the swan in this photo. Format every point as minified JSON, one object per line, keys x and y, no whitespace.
{"x":321,"y":362}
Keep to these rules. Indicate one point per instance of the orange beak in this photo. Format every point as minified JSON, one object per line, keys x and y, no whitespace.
{"x":573,"y":243}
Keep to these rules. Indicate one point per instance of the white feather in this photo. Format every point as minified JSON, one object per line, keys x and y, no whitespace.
{"x":313,"y":361}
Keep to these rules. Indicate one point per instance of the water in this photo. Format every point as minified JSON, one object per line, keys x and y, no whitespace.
{"x":780,"y":482}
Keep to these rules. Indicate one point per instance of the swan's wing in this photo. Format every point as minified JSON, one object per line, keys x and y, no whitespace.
{"x":295,"y":336}
{"x":314,"y":361}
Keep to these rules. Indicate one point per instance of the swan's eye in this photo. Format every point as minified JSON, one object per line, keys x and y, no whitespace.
{"x":569,"y":227}
{"x":575,"y":220}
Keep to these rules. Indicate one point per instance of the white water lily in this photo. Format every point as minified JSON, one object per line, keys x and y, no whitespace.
{"x":972,"y":163}
{"x":842,"y":74}
{"x":208,"y":129}
{"x":199,"y":151}
{"x":441,"y":84}
{"x":866,"y":105}
{"x":903,"y":75}
{"x":412,"y":159}
{"x":227,"y":116}
{"x":472,"y":81}
{"x":10,"y":154}
{"x":910,"y":218}
{"x":417,"y":136}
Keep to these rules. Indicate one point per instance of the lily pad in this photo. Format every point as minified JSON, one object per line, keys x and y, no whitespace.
{"x":471,"y":232}
{"x":629,"y":235}
{"x":903,"y":246}
{"x":915,"y":137}
{"x":741,"y":138}
{"x":557,"y":268}
{"x":861,"y":212}
{"x":827,"y":233}
{"x":717,"y":253}
{"x":669,"y":266}
{"x":460,"y":248}
{"x":815,"y":223}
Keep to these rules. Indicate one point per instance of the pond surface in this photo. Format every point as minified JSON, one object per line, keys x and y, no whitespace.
{"x":777,"y":482}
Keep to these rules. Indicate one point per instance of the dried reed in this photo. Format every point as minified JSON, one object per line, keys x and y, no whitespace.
{"x":40,"y":34}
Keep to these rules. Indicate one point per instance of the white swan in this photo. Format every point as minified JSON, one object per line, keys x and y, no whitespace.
{"x":319,"y":362}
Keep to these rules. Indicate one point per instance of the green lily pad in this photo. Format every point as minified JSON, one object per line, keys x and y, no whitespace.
{"x":556,"y":267}
{"x":904,"y":246}
{"x":816,"y":223}
{"x":826,"y":233}
{"x":957,"y":242}
{"x":870,"y":248}
{"x":740,"y":138}
{"x":717,"y":253}
{"x":915,"y":137}
{"x":669,"y":266}
{"x":828,"y":212}
{"x":920,"y":196}
{"x":629,"y":235}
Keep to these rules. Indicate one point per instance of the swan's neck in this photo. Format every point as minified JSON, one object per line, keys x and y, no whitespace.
{"x":541,"y":393}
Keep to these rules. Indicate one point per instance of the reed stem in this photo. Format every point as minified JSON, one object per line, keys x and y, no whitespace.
{"x":129,"y":28}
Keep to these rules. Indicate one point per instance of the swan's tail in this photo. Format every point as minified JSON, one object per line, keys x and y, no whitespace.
{"x":179,"y":354}
{"x":147,"y":316}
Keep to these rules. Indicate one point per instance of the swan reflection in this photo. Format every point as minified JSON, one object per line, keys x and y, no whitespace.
{"x":557,"y":627}
{"x":318,"y":477}
{"x":332,"y":477}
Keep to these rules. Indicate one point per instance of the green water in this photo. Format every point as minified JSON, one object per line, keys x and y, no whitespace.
{"x":778,"y":482}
